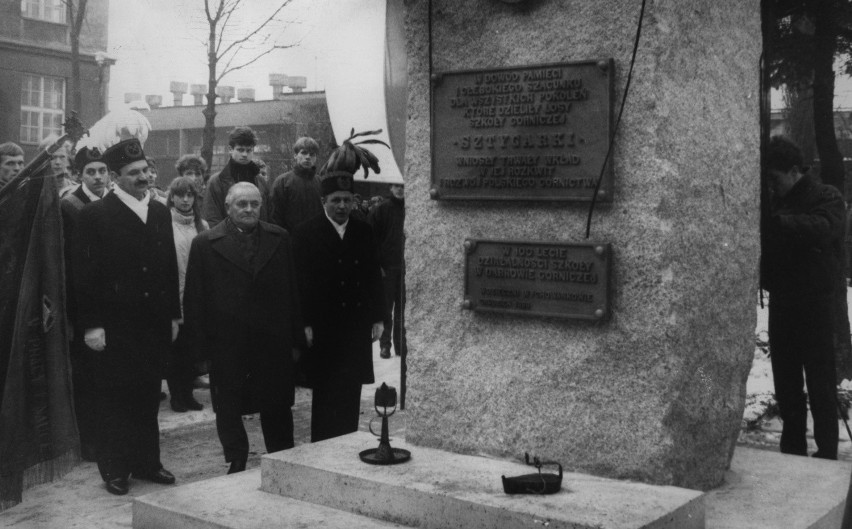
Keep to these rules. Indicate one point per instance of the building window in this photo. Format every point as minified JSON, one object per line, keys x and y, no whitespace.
{"x":48,"y":10}
{"x":42,"y":107}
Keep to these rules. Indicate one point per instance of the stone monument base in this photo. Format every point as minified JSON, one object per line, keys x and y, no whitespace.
{"x":326,"y":485}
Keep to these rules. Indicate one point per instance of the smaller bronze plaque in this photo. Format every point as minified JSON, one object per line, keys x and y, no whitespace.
{"x":560,"y":280}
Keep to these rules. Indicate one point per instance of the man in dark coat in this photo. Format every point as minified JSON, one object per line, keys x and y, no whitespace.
{"x":127,"y":303}
{"x":802,"y":263}
{"x":241,"y":304}
{"x":240,"y":168}
{"x":94,"y":176}
{"x":296,"y":195}
{"x":343,"y":306}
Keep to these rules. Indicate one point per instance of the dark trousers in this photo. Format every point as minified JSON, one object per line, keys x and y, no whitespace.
{"x":129,"y":435}
{"x":335,"y":408}
{"x":394,"y":306}
{"x":85,"y":403}
{"x":276,"y":423}
{"x":801,"y":339}
{"x":181,"y":371}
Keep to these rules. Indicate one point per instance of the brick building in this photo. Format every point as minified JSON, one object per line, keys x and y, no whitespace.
{"x":35,"y":68}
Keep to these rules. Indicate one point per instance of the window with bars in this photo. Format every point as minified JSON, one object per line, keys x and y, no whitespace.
{"x":42,"y":107}
{"x":48,"y":10}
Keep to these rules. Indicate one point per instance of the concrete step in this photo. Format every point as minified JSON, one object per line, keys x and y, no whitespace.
{"x":770,"y":490}
{"x":236,"y":502}
{"x":438,"y":489}
{"x":326,"y":485}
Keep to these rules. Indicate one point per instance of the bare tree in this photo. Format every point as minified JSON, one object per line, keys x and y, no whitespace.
{"x":77,"y":16}
{"x":232,"y":53}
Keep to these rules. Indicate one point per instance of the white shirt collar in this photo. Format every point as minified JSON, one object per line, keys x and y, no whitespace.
{"x":89,"y":194}
{"x":140,"y":207}
{"x":339,"y":228}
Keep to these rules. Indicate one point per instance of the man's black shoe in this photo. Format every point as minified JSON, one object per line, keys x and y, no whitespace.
{"x":237,"y":465}
{"x":178,"y":405}
{"x":385,"y":353}
{"x":117,"y":486}
{"x":192,"y":404}
{"x":819,"y":455}
{"x":162,"y":476}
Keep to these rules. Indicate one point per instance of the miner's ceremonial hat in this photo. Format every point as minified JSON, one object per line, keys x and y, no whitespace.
{"x":85,"y":156}
{"x":123,"y":153}
{"x":336,"y":181}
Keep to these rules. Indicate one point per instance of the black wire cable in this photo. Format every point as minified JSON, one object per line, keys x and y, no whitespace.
{"x":429,"y":32}
{"x":617,"y":121}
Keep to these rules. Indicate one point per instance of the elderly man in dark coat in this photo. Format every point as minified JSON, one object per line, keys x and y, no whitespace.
{"x":127,"y":303}
{"x":241,"y":304}
{"x":343,"y":305}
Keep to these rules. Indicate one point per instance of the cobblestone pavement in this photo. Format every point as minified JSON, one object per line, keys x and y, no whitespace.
{"x":189,"y":448}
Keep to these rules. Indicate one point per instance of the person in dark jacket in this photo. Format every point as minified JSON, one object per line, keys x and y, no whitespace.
{"x":803,"y":238}
{"x":11,"y":162}
{"x":296,"y":195}
{"x":126,"y":280}
{"x":94,"y":175}
{"x":241,"y":305}
{"x":240,"y":168}
{"x":342,"y":303}
{"x":388,"y":220}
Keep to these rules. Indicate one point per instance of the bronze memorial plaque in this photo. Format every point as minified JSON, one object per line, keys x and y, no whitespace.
{"x":526,"y":133}
{"x":562,"y":280}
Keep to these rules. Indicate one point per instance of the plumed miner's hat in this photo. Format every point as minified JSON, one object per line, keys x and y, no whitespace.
{"x":85,"y":156}
{"x":344,"y":162}
{"x":119,"y":136}
{"x":123,"y":153}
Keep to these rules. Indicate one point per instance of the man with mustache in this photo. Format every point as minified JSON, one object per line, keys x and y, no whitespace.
{"x":241,"y":308}
{"x":128,"y":307}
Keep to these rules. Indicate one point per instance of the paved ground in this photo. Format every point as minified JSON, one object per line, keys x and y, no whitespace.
{"x":189,"y":448}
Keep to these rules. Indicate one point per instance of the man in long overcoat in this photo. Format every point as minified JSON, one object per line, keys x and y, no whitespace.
{"x":126,"y":282}
{"x":94,"y":180}
{"x":343,"y":305}
{"x":241,"y":304}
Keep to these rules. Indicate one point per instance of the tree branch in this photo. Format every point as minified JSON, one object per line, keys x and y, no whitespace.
{"x":259,"y":28}
{"x":224,"y":26}
{"x":228,"y":69}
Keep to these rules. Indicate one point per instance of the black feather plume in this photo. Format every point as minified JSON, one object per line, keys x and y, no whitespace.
{"x":351,"y":156}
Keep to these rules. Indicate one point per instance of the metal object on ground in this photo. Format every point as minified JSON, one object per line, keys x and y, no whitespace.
{"x":384,"y":454}
{"x":534,"y":483}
